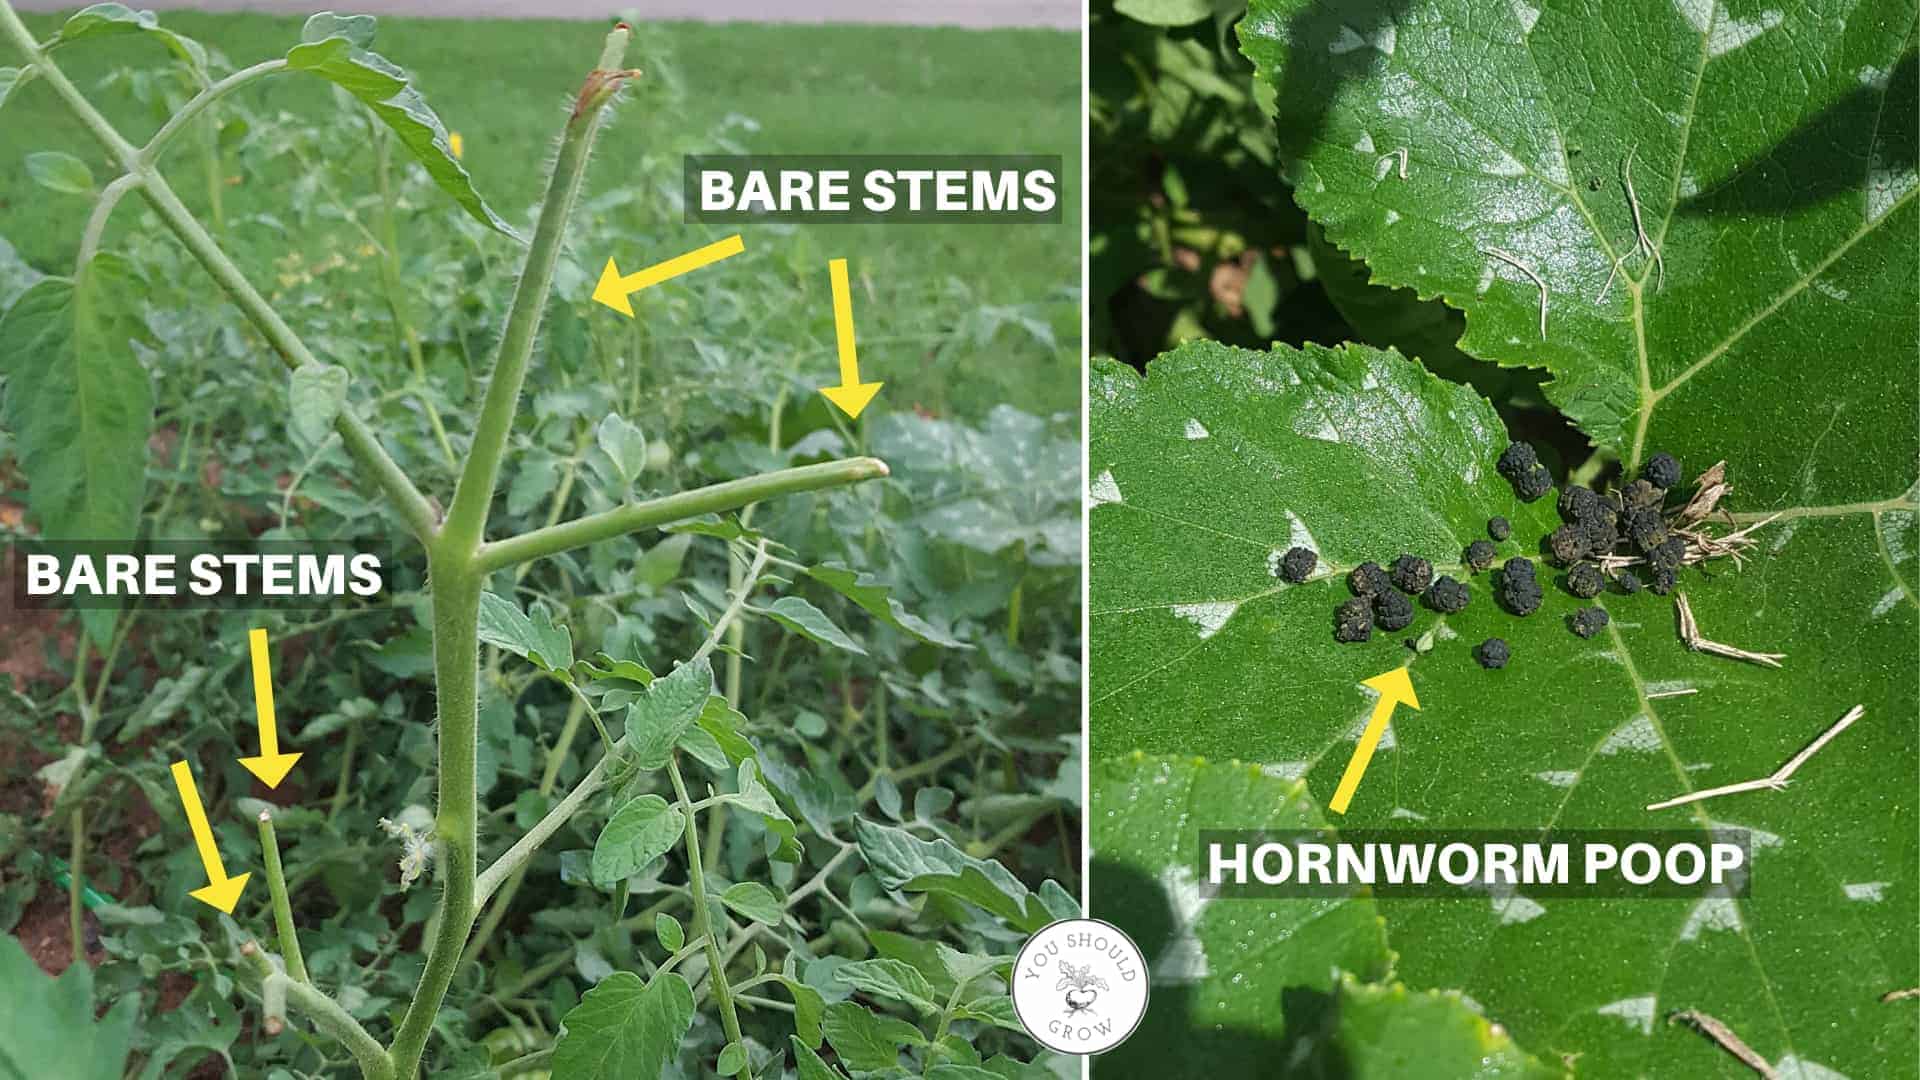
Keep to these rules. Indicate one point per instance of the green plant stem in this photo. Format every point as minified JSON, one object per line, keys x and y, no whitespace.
{"x":97,"y":220}
{"x":500,"y":904}
{"x":714,"y":498}
{"x":325,"y":1012}
{"x":282,"y":908}
{"x":539,"y":1059}
{"x":150,"y":153}
{"x":473,"y":496}
{"x":359,"y":440}
{"x":456,"y":663}
{"x":524,"y":848}
{"x":703,"y":918}
{"x":76,"y":853}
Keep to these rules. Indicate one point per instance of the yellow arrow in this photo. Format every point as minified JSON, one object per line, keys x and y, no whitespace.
{"x":221,"y":891}
{"x":614,"y":288}
{"x":851,"y":395}
{"x":1394,"y":687}
{"x":272,"y":765}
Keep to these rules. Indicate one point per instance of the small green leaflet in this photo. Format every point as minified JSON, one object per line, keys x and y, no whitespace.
{"x":60,"y":172}
{"x":106,"y":20}
{"x":905,"y":862}
{"x":546,"y":646}
{"x":754,"y":901}
{"x":668,"y":929}
{"x":809,"y":1064}
{"x":661,"y":715}
{"x":625,"y":446}
{"x":876,"y":598}
{"x":316,"y":394}
{"x":810,"y":622}
{"x":638,"y":833}
{"x":336,"y":49}
{"x":624,"y":1028}
{"x":864,"y":1041}
{"x":78,"y":401}
{"x":893,"y":980}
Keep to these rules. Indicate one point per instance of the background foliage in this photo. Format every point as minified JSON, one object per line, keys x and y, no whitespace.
{"x":954,"y":728}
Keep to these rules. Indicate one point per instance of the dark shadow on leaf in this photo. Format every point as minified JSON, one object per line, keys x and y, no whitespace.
{"x":1829,"y":155}
{"x":1329,"y":44}
{"x":1170,"y":1043}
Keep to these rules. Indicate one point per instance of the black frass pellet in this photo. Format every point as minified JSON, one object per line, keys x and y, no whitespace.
{"x":1499,"y":528}
{"x":1568,"y":545}
{"x":1516,"y":461}
{"x":1662,"y":470}
{"x":1661,"y":579}
{"x":1492,"y":653}
{"x":1297,"y":564}
{"x":1447,"y":596}
{"x":1412,"y":574}
{"x":1579,"y":503}
{"x":1392,"y":611}
{"x":1585,"y":581}
{"x":1353,"y":621}
{"x":1587,"y":621}
{"x":1519,"y":591}
{"x":1368,"y":580}
{"x":1641,"y":495}
{"x":1628,"y":582}
{"x":1534,"y":484}
{"x":1479,"y":555}
{"x":1646,"y":528}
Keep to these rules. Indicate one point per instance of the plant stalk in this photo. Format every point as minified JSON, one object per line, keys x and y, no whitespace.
{"x":282,"y":908}
{"x":713,"y":498}
{"x":703,"y":918}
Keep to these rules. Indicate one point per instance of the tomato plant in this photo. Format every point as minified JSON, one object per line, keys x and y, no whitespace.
{"x":850,"y":808}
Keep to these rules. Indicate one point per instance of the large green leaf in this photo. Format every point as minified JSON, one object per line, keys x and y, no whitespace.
{"x":79,"y":402}
{"x":624,"y":1028}
{"x":1218,"y":459}
{"x":336,"y":49}
{"x":1228,"y":976}
{"x":47,"y":1025}
{"x":901,"y":860}
{"x":1772,"y":156}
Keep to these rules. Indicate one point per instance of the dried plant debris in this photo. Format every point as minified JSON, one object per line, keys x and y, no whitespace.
{"x":1724,"y":1037}
{"x":1777,"y":780}
{"x":1297,"y":564}
{"x":1691,"y":637}
{"x":1899,"y":995}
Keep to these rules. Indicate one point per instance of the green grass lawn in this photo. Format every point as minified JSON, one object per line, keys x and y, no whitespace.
{"x":505,"y":86}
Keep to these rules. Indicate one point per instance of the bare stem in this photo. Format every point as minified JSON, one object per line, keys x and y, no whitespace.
{"x":714,"y":498}
{"x":282,"y":908}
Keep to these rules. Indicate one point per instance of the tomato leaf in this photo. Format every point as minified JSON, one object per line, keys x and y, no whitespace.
{"x":638,"y":833}
{"x":79,"y":402}
{"x":336,"y":49}
{"x":801,"y":617}
{"x":1783,"y":220}
{"x":1198,"y":648}
{"x":49,"y":1028}
{"x":624,"y":1027}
